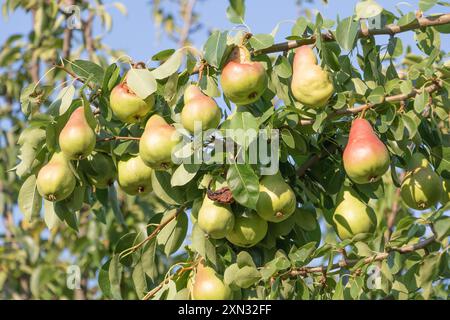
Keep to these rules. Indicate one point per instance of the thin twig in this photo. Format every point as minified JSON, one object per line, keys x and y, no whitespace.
{"x":117,"y":138}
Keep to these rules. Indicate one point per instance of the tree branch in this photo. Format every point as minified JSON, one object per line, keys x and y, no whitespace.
{"x":117,"y":138}
{"x":349,"y":263}
{"x":394,"y":99}
{"x":314,"y":159}
{"x":391,"y":29}
{"x":87,"y":35}
{"x":187,"y":17}
{"x":68,"y":33}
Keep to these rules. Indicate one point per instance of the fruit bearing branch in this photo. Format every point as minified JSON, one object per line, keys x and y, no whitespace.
{"x":387,"y":30}
{"x":344,"y":263}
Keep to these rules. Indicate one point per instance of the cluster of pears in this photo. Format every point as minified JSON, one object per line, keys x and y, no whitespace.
{"x":276,"y":203}
{"x":56,"y":180}
{"x":422,"y":188}
{"x":365,"y":160}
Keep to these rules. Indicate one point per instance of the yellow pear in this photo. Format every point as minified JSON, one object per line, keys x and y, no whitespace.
{"x":276,"y":200}
{"x":216,"y":219}
{"x":206,"y":285}
{"x":311,"y":85}
{"x":352,"y":216}
{"x":199,"y":109}
{"x":134,"y":176}
{"x":158,"y":142}
{"x":248,"y":230}
{"x":77,"y":139}
{"x":55,"y":180}
{"x":422,"y":187}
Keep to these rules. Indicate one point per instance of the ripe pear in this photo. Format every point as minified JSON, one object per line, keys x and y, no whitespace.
{"x":199,"y":108}
{"x":422,"y":187}
{"x":77,"y":139}
{"x":158,"y":142}
{"x":310,"y":85}
{"x":216,"y":219}
{"x":276,"y":200}
{"x":127,"y":106}
{"x":365,"y":157}
{"x":134,"y":176}
{"x":55,"y":180}
{"x":243,"y":81}
{"x":248,"y":230}
{"x":206,"y":285}
{"x":352,"y":216}
{"x":100,"y":170}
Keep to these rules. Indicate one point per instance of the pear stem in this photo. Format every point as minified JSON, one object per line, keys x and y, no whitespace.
{"x":114,"y":138}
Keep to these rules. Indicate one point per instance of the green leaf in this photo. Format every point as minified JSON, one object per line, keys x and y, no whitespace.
{"x":142,"y":82}
{"x":303,"y":255}
{"x":236,"y":11}
{"x":139,"y":280}
{"x":426,"y":5}
{"x":103,"y":279}
{"x":246,"y":277}
{"x":261,"y":41}
{"x":407,"y":19}
{"x":169,"y":67}
{"x":245,"y":259}
{"x":115,"y":277}
{"x":163,"y":55}
{"x":376,"y":95}
{"x":148,"y":259}
{"x":287,"y":137}
{"x":114,"y":202}
{"x":244,"y":184}
{"x":29,"y":199}
{"x":215,"y":48}
{"x":420,"y":101}
{"x":161,"y":183}
{"x":87,"y":69}
{"x":346,"y":33}
{"x":367,"y":9}
{"x":183,"y":174}
{"x":174,"y":233}
{"x":50,"y":217}
{"x":62,"y":101}
{"x":66,"y":215}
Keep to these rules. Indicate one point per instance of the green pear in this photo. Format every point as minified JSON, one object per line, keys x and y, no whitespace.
{"x":77,"y":139}
{"x":248,"y":230}
{"x":55,"y":180}
{"x":206,"y":285}
{"x":310,"y":85}
{"x":353,"y":217}
{"x":365,"y":157}
{"x":127,"y":106}
{"x":200,"y":110}
{"x":276,"y":200}
{"x":243,"y":81}
{"x":216,"y":219}
{"x":421,"y":187}
{"x":158,"y":142}
{"x":134,"y":176}
{"x":100,"y":170}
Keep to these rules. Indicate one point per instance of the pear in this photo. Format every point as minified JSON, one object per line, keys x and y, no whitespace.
{"x":365,"y":157}
{"x":276,"y":200}
{"x":55,"y":180}
{"x":421,"y":187}
{"x":310,"y":84}
{"x":216,"y":219}
{"x":77,"y":139}
{"x":206,"y":285}
{"x":353,"y":217}
{"x":248,"y":230}
{"x":158,"y":142}
{"x":127,"y":106}
{"x":134,"y":176}
{"x":199,"y":109}
{"x":101,"y":171}
{"x":243,"y":81}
